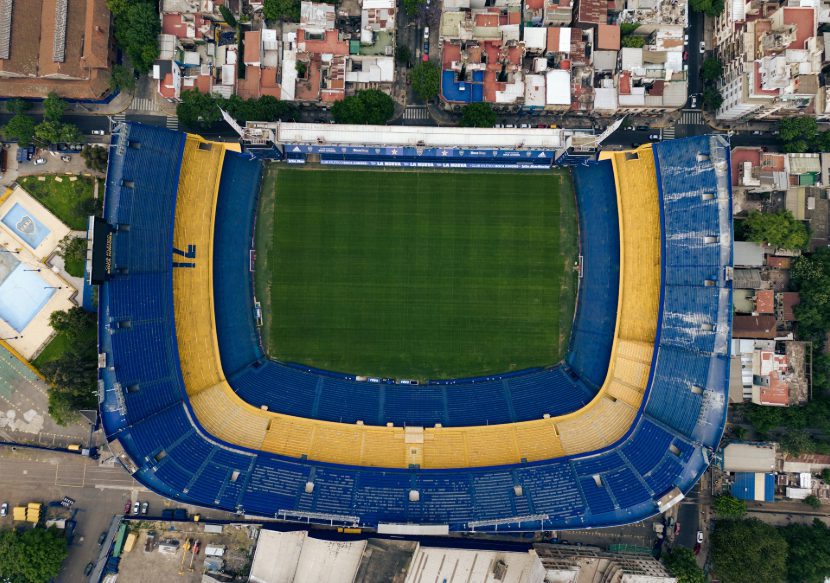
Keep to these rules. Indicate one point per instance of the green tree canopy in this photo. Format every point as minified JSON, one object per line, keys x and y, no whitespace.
{"x":281,"y":10}
{"x":627,"y":28}
{"x":227,"y":15}
{"x":412,"y":7}
{"x":682,"y":564}
{"x":137,"y":28}
{"x":708,"y":7}
{"x":748,"y":551}
{"x":402,"y":53}
{"x":95,"y":157}
{"x":31,"y":555}
{"x":478,"y":115}
{"x":53,"y":107}
{"x":812,"y":501}
{"x":20,"y":128}
{"x":711,"y":70}
{"x":122,"y":77}
{"x":799,"y":134}
{"x":727,"y":506}
{"x":632,"y":41}
{"x":197,"y":110}
{"x":712,"y":99}
{"x":371,"y":106}
{"x":808,"y":560}
{"x":425,"y":79}
{"x":780,"y":230}
{"x":825,"y":475}
{"x":17,"y":105}
{"x":56,"y":132}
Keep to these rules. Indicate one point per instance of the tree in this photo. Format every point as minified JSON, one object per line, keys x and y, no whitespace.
{"x":73,"y":251}
{"x":825,"y":475}
{"x":402,"y":53}
{"x":95,"y":158}
{"x":812,"y":501}
{"x":370,"y":106}
{"x":798,"y":134}
{"x":682,"y":564}
{"x":20,"y":128}
{"x":197,"y":110}
{"x":633,"y":41}
{"x":711,"y":70}
{"x":797,"y":442}
{"x":808,"y":560}
{"x":16,"y":106}
{"x":53,"y":107}
{"x":478,"y":115}
{"x":137,"y":28}
{"x":281,"y":10}
{"x":227,"y":15}
{"x":628,"y":28}
{"x":727,"y":506}
{"x":73,"y":321}
{"x":122,"y":77}
{"x":748,"y":551}
{"x":708,"y":7}
{"x":56,"y":132}
{"x":425,"y":80}
{"x":712,"y":99}
{"x":780,"y":230}
{"x":31,"y":556}
{"x":811,"y":277}
{"x":412,"y":7}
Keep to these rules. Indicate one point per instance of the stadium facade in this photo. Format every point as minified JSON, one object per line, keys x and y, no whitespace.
{"x":619,"y":431}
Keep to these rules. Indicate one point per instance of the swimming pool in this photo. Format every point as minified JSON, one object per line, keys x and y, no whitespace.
{"x":25,"y":225}
{"x":22,"y":295}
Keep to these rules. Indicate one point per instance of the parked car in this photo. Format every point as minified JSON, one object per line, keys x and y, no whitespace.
{"x":697,"y":548}
{"x":676,"y":529}
{"x":685,"y":39}
{"x":40,"y":161}
{"x":700,"y":537}
{"x":88,"y":569}
{"x":4,"y":509}
{"x":66,"y":158}
{"x":127,"y":507}
{"x":702,"y":47}
{"x":102,"y":538}
{"x":97,"y":132}
{"x":654,"y":137}
{"x":144,"y":507}
{"x":694,"y":102}
{"x":685,"y":55}
{"x":136,"y":507}
{"x":524,"y":125}
{"x":426,"y":33}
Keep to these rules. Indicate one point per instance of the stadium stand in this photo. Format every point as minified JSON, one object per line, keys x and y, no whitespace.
{"x":665,"y":441}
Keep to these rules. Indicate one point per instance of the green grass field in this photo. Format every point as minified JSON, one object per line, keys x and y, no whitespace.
{"x":416,"y":274}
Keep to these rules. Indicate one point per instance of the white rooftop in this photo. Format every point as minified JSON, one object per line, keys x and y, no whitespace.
{"x":536,"y":38}
{"x":558,"y":87}
{"x":287,"y":557}
{"x":463,"y":566}
{"x":430,"y":137}
{"x":749,"y":457}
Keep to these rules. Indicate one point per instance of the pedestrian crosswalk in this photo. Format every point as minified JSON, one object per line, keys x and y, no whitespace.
{"x":691,"y":117}
{"x":668,"y":133}
{"x":172,"y":122}
{"x":143,"y":104}
{"x":415,"y":112}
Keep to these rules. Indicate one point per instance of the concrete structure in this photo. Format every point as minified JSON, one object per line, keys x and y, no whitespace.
{"x":772,"y":61}
{"x":749,"y":457}
{"x":55,"y":45}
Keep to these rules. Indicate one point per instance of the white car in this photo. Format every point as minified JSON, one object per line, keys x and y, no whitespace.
{"x":702,"y":47}
{"x":685,"y":39}
{"x":136,"y":507}
{"x":4,"y":509}
{"x":694,"y":102}
{"x":97,"y":132}
{"x":426,"y":33}
{"x":700,"y":536}
{"x":654,"y":137}
{"x":40,"y":161}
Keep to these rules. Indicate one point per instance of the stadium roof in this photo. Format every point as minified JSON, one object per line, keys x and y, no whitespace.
{"x":331,"y":134}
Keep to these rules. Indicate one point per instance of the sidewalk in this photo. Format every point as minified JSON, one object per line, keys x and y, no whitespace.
{"x":119,"y":104}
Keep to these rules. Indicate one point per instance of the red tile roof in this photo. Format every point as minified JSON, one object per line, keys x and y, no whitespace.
{"x":253,"y":47}
{"x":789,"y":300}
{"x":778,"y":262}
{"x":753,"y":327}
{"x":741,"y":155}
{"x":608,"y":37}
{"x":765,"y":301}
{"x":803,"y":19}
{"x":777,"y":393}
{"x":592,"y":12}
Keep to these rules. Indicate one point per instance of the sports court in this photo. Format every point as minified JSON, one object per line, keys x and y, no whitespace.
{"x":419,"y":274}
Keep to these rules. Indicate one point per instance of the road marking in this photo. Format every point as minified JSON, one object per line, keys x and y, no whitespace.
{"x":668,"y":133}
{"x":416,"y":112}
{"x":691,"y":118}
{"x":143,"y":104}
{"x":172,"y":122}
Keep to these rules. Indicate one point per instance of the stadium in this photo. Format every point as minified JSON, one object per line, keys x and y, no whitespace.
{"x":618,"y":430}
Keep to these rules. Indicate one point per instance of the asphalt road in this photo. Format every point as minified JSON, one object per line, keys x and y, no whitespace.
{"x":695,"y":32}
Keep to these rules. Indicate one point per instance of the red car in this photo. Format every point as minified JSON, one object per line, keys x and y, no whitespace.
{"x":127,"y":507}
{"x":685,"y":55}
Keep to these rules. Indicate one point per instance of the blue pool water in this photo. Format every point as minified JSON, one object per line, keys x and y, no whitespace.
{"x":25,"y":225}
{"x":22,"y":295}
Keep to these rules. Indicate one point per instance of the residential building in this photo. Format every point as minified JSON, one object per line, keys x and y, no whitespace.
{"x":55,"y":45}
{"x":772,"y":60}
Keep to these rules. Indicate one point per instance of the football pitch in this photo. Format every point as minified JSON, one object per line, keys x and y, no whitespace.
{"x":422,"y":275}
